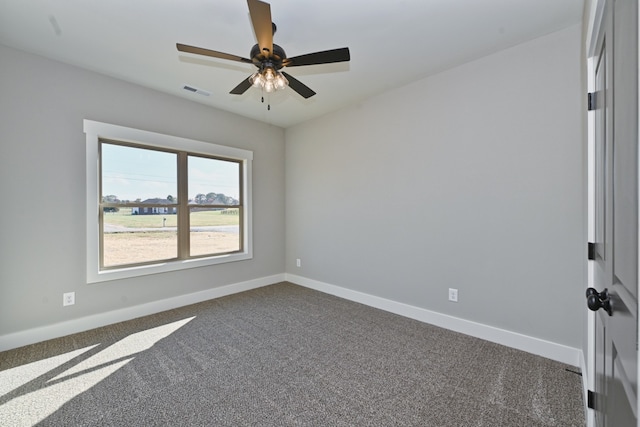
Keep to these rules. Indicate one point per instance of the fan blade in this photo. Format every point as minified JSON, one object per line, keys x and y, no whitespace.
{"x":213,"y":53}
{"x":242,"y":87}
{"x":261,"y":19}
{"x":324,"y":57}
{"x":298,"y":86}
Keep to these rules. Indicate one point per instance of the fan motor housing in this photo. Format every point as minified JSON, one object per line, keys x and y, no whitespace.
{"x":277,"y":56}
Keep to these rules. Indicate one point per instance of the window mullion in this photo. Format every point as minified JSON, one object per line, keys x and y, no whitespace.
{"x":100,"y":209}
{"x":183,"y":207}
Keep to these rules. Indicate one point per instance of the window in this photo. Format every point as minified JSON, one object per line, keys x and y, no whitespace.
{"x":159,"y":203}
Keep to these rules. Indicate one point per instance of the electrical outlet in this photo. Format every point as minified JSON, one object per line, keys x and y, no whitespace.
{"x":453,"y":295}
{"x":68,"y":298}
{"x":298,"y":263}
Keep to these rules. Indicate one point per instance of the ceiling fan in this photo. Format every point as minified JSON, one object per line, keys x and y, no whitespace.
{"x":270,"y":58}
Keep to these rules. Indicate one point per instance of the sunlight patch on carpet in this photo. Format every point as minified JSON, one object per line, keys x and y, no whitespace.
{"x":31,"y":407}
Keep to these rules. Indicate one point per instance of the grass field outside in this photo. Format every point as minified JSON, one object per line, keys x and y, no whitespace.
{"x":123,"y":218}
{"x":132,"y":248}
{"x":146,"y":244}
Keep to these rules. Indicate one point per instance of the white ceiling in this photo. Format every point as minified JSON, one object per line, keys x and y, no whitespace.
{"x":392,"y":43}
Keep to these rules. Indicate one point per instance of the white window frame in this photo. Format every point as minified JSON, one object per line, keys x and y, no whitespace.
{"x":94,"y":132}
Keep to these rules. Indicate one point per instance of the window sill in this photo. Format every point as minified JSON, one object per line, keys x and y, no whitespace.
{"x":164,"y":267}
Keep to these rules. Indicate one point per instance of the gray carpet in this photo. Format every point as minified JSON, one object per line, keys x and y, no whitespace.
{"x":282,"y":355}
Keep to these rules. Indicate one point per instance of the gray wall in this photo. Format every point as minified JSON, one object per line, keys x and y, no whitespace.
{"x":472,"y":179}
{"x":42,"y":183}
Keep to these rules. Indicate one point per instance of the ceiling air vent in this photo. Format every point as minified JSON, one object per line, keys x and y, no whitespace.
{"x":196,"y":90}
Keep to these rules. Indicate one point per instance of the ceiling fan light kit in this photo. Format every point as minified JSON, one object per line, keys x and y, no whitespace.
{"x":269,"y":58}
{"x":269,"y":80}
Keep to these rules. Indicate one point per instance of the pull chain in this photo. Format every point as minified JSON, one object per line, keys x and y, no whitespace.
{"x":268,"y":102}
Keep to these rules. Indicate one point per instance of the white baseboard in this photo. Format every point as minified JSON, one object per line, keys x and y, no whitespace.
{"x":61,"y":329}
{"x":561,"y":353}
{"x":554,"y":351}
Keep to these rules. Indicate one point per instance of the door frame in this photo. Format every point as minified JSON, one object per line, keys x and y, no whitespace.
{"x":591,"y":41}
{"x":593,"y":22}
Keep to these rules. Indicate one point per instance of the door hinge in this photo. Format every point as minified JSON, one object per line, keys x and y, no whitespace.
{"x":591,"y":400}
{"x":591,"y":251}
{"x":591,"y":101}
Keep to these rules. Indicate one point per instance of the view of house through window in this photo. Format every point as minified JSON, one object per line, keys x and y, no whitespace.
{"x":159,"y":205}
